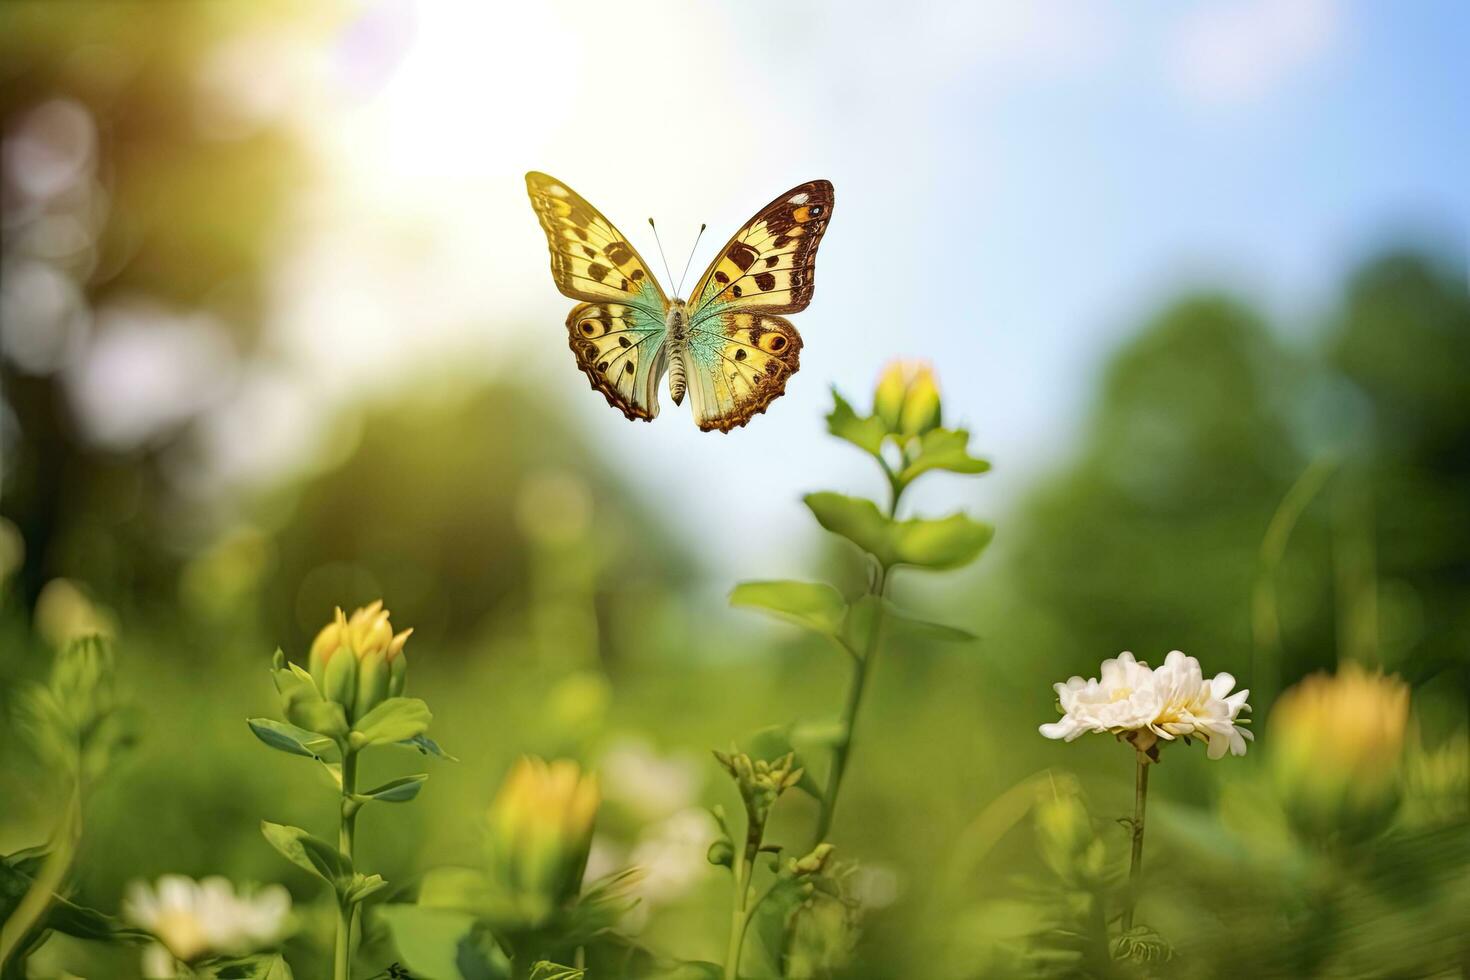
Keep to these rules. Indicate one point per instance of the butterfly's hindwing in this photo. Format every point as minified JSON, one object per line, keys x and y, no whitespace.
{"x":740,"y":362}
{"x":621,"y":350}
{"x":769,"y":264}
{"x":590,"y":259}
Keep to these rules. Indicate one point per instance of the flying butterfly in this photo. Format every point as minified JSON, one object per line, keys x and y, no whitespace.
{"x":727,"y":345}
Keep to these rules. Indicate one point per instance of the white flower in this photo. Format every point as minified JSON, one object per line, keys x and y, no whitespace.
{"x":650,"y":785}
{"x":196,"y":919}
{"x":1198,"y":707}
{"x":1176,"y":700}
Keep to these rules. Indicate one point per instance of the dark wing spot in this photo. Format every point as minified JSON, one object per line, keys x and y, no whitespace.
{"x":602,"y":365}
{"x":597,"y":270}
{"x":589,"y":251}
{"x":619,"y":252}
{"x":815,"y":210}
{"x":771,"y":261}
{"x":589,"y":327}
{"x":624,"y":286}
{"x":636,"y":275}
{"x":721,"y":278}
{"x":765,"y":281}
{"x":740,"y":354}
{"x":623,"y":341}
{"x":778,"y":342}
{"x":781,"y":241}
{"x":742,"y":255}
{"x":735,"y":290}
{"x":627,"y":367}
{"x":581,"y":233}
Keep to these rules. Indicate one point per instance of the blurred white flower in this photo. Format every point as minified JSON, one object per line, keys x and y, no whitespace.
{"x":196,"y":919}
{"x":1143,"y":705}
{"x":672,"y":855}
{"x":649,"y":785}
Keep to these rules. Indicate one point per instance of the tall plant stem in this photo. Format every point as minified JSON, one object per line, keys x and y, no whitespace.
{"x":1135,"y":866}
{"x":38,"y":897}
{"x":742,"y":908}
{"x":862,"y":665}
{"x":346,"y":911}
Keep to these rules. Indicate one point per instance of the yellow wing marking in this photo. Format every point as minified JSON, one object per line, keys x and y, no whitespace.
{"x":590,"y":259}
{"x":741,"y":364}
{"x":620,"y":349}
{"x":770,"y":263}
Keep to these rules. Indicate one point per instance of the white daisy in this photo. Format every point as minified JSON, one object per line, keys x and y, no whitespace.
{"x":1132,"y":701}
{"x":197,"y":919}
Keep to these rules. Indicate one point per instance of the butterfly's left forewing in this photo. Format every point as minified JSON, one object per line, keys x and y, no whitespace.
{"x":741,"y":351}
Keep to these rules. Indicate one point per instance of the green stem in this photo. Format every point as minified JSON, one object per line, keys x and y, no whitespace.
{"x":743,"y":909}
{"x":1135,"y":866}
{"x":862,"y":665}
{"x":48,"y":879}
{"x":346,"y":911}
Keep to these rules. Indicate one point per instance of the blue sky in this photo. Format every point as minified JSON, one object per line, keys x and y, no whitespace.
{"x":1018,"y":185}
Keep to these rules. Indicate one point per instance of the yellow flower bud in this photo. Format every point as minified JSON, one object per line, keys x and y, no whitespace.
{"x":1336,"y":746}
{"x":540,"y":831}
{"x":907,"y":398}
{"x":921,"y":404}
{"x":358,"y":661}
{"x":888,"y":397}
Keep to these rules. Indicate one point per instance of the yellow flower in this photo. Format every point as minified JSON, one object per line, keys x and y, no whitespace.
{"x":540,"y":832}
{"x":358,"y":661}
{"x":1336,"y":751}
{"x":907,"y":398}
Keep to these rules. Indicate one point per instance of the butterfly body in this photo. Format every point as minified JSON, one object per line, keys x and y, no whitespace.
{"x":727,"y":347}
{"x":676,"y":322}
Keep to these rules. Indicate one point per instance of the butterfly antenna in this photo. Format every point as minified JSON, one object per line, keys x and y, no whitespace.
{"x":661,"y":254}
{"x":680,"y":288}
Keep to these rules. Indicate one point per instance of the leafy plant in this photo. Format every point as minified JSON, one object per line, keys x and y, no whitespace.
{"x":350,"y":700}
{"x":78,"y":726}
{"x":905,"y":437}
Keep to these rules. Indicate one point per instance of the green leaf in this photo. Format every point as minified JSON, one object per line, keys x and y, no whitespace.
{"x":856,"y":519}
{"x":546,"y":970}
{"x":363,"y":886}
{"x":309,"y":853}
{"x":865,"y":433}
{"x":923,"y":629}
{"x":394,"y":720}
{"x":815,"y":605}
{"x":395,"y":790}
{"x":326,"y":717}
{"x":943,"y":449}
{"x":289,"y":738}
{"x":947,"y":542}
{"x":427,"y":746}
{"x":262,"y":966}
{"x":443,"y":944}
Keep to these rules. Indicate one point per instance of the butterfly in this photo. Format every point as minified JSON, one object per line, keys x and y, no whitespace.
{"x":727,"y":345}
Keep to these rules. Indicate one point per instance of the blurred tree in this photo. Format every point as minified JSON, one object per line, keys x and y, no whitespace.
{"x":447,"y":505}
{"x":1402,"y":339}
{"x":119,"y":185}
{"x":1148,"y":541}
